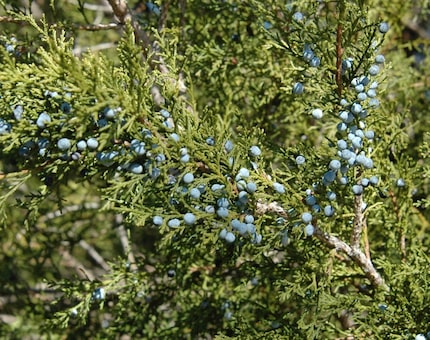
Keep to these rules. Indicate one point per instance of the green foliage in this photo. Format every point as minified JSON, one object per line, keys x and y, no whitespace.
{"x":97,"y":145}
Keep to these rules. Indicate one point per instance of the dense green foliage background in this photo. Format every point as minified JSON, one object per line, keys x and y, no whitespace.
{"x":82,"y":256}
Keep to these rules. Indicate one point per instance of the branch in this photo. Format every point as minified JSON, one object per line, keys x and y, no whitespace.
{"x":333,"y":242}
{"x":358,"y":222}
{"x":355,"y":254}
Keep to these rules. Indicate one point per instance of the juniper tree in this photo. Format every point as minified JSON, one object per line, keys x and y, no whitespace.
{"x":223,"y":170}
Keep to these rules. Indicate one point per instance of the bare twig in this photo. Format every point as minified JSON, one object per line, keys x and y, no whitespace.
{"x":355,"y":254}
{"x":95,"y":255}
{"x":125,"y":242}
{"x":358,"y":222}
{"x":333,"y":242}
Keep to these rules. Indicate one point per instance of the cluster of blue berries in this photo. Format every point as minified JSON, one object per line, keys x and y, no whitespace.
{"x":215,"y":200}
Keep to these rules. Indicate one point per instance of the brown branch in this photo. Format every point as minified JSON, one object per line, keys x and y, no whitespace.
{"x":333,"y":242}
{"x":359,"y":221}
{"x":355,"y":254}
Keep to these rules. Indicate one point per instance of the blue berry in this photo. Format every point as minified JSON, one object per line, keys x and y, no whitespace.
{"x":228,"y":146}
{"x":315,"y":62}
{"x":174,"y":223}
{"x":309,"y":230}
{"x":249,"y":219}
{"x":243,"y":197}
{"x":369,"y":134}
{"x":374,"y":70}
{"x":384,"y":27}
{"x":223,"y":202}
{"x":356,"y":108}
{"x":342,"y":144}
{"x":300,"y":160}
{"x":64,"y":144}
{"x":42,"y":120}
{"x":361,"y":97}
{"x":175,"y":137}
{"x":189,"y":218}
{"x":222,"y":212}
{"x":251,"y":187}
{"x":343,"y":180}
{"x":81,"y":145}
{"x":157,"y":220}
{"x":359,"y":88}
{"x":165,"y":113}
{"x":185,"y":158}
{"x":267,"y":25}
{"x":99,"y":294}
{"x":379,"y":59}
{"x":374,"y":180}
{"x":310,"y":200}
{"x":92,"y":143}
{"x":138,"y":147}
{"x":135,"y":168}
{"x":400,"y":183}
{"x":328,"y":210}
{"x":217,"y":187}
{"x":256,"y":238}
{"x":210,"y":209}
{"x":279,"y":188}
{"x":18,"y":111}
{"x":334,"y":164}
{"x":195,"y":193}
{"x":357,"y":189}
{"x":308,"y":54}
{"x":331,"y":196}
{"x":298,"y":88}
{"x":243,"y":173}
{"x":371,"y":93}
{"x":307,"y":217}
{"x":229,"y":237}
{"x":298,"y":16}
{"x":365,"y":182}
{"x":223,"y":233}
{"x":374,"y":102}
{"x":317,"y":113}
{"x":210,"y":141}
{"x":188,"y":178}
{"x":255,"y":151}
{"x":329,"y":177}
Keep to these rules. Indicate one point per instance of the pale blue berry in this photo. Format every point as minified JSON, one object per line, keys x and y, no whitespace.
{"x":374,"y":180}
{"x":251,"y":187}
{"x":279,"y":188}
{"x":255,"y":151}
{"x":174,"y":223}
{"x":307,"y":217}
{"x":317,"y":113}
{"x":357,"y":189}
{"x":188,"y":178}
{"x":334,"y":164}
{"x":64,"y":144}
{"x":43,"y":120}
{"x":310,"y":200}
{"x":157,"y":220}
{"x":374,"y":70}
{"x":243,"y":173}
{"x":223,"y":202}
{"x":249,"y":219}
{"x":230,"y":238}
{"x":135,"y":168}
{"x":342,"y":144}
{"x":309,"y":230}
{"x":379,"y":59}
{"x":189,"y":218}
{"x":300,"y":160}
{"x":228,"y":146}
{"x":222,"y":212}
{"x":315,"y":62}
{"x":298,"y":16}
{"x":329,"y":177}
{"x":331,"y":196}
{"x":217,"y":187}
{"x":400,"y":182}
{"x":18,"y":111}
{"x":210,"y":141}
{"x":210,"y":209}
{"x":92,"y":143}
{"x":175,"y":137}
{"x":298,"y":88}
{"x":195,"y":193}
{"x":81,"y":145}
{"x":99,"y":294}
{"x":384,"y":27}
{"x":223,"y":233}
{"x":328,"y":210}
